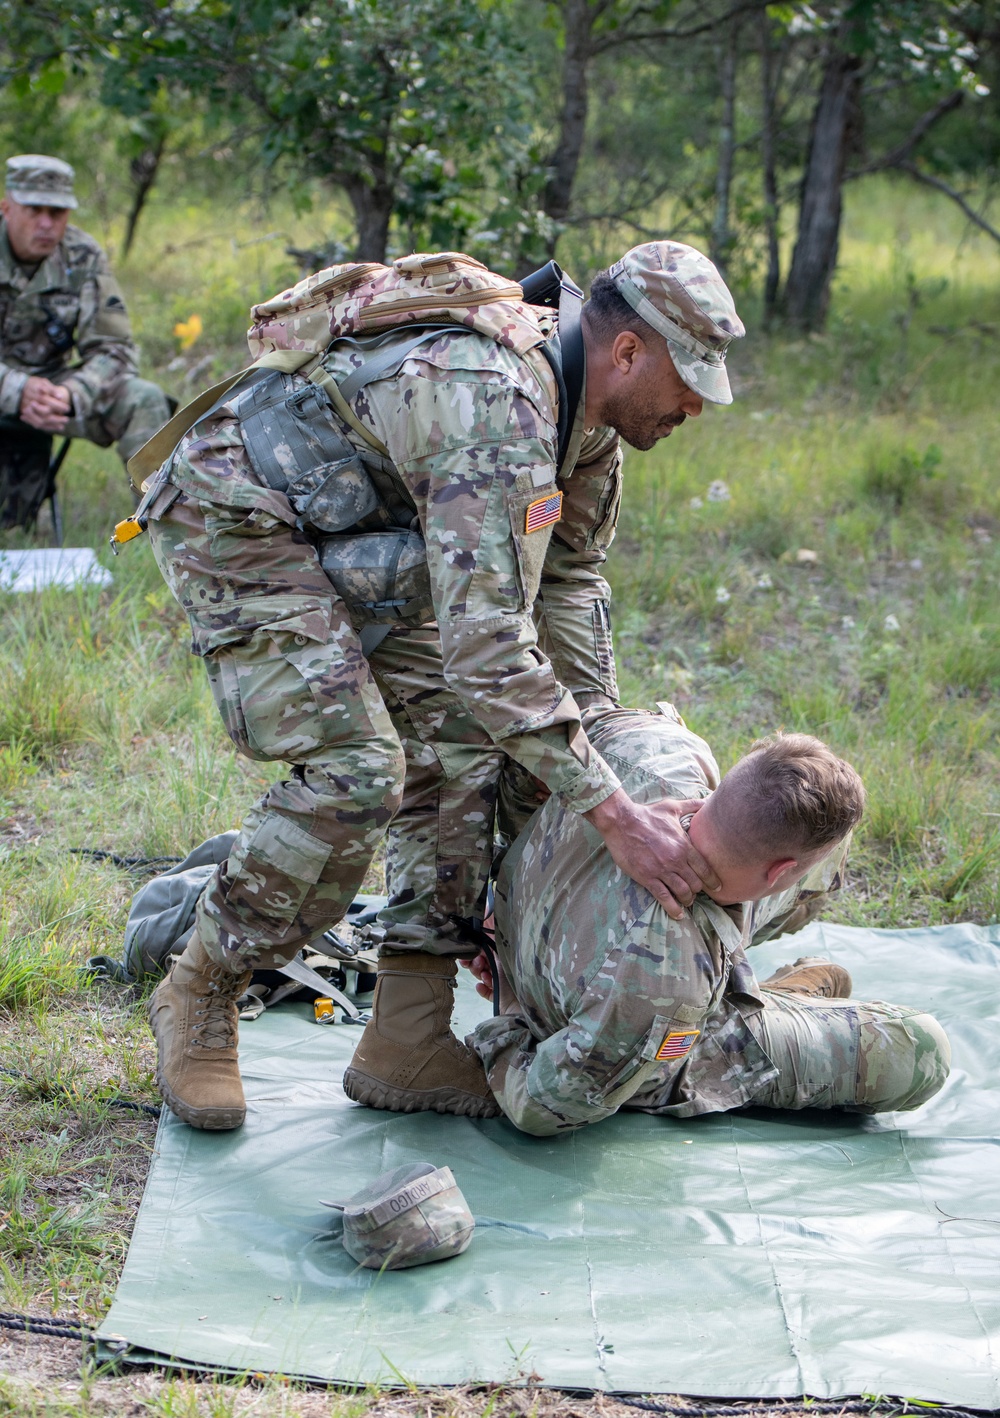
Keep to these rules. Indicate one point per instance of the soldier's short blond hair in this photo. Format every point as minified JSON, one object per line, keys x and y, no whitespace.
{"x":788,"y":796}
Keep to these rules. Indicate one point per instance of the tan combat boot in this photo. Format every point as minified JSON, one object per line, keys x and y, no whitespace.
{"x":194,"y":1019}
{"x":408,"y":1060}
{"x":811,"y":975}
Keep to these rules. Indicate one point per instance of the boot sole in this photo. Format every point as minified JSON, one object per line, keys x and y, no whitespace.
{"x":205,"y":1119}
{"x":362,"y":1088}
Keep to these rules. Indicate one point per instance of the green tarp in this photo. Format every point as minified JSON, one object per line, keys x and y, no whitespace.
{"x":749,"y":1254}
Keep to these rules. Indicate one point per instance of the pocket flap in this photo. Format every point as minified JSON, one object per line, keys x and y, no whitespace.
{"x":334,"y":496}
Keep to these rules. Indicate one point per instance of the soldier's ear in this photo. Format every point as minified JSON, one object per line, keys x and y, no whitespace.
{"x":781,"y":872}
{"x":625,"y":350}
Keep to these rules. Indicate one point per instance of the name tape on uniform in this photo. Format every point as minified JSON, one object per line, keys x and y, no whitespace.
{"x":675,"y":1046}
{"x":543,"y":512}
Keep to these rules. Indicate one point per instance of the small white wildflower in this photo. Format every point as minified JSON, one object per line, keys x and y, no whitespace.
{"x":722,"y":595}
{"x":695,"y":503}
{"x":890,"y":622}
{"x":764,"y":583}
{"x":718,"y":491}
{"x":916,"y":564}
{"x":847,"y":622}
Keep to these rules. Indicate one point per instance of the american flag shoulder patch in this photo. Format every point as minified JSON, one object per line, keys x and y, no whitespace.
{"x":543,"y":512}
{"x":676,"y":1045}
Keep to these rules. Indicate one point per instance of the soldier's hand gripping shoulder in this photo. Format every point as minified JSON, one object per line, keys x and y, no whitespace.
{"x":649,"y":843}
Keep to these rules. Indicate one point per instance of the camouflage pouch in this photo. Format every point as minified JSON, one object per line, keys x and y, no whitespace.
{"x":382,"y":576}
{"x":296,"y":447}
{"x":408,"y":1217}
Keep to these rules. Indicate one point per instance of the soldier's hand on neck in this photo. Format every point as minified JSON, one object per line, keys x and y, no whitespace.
{"x":650,"y":845}
{"x":44,"y":405}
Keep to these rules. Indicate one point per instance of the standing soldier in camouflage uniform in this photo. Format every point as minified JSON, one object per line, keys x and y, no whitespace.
{"x":410,"y":735}
{"x":67,"y":360}
{"x":612,"y":1004}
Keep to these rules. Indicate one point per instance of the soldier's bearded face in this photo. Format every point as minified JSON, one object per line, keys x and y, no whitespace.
{"x":33,"y":232}
{"x":650,"y":403}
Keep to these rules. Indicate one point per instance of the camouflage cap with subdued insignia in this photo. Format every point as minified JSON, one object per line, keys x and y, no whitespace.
{"x":35,"y":180}
{"x":407,"y":1217}
{"x":680,"y":293}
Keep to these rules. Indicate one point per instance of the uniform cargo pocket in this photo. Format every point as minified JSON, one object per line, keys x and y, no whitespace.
{"x":278,"y":870}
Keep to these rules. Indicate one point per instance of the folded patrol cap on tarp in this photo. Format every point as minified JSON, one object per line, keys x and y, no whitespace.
{"x":407,"y":1217}
{"x":681,"y":294}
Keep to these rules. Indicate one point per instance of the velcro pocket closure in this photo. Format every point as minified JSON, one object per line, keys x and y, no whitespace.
{"x":667,"y":1044}
{"x":632,"y":1073}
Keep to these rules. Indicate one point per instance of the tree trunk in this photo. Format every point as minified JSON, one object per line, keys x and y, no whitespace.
{"x":144,"y":169}
{"x":772,"y":211}
{"x":814,"y":260}
{"x":372,"y":206}
{"x":578,"y":21}
{"x":722,"y":236}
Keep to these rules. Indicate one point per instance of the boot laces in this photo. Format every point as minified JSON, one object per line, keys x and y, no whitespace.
{"x":215,"y":1026}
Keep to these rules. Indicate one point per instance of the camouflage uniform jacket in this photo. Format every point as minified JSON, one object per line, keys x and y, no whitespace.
{"x":71,"y":299}
{"x":620,"y":1004}
{"x":470,"y":429}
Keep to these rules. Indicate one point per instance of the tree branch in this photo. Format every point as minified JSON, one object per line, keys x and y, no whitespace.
{"x":940,"y":186}
{"x":624,"y":36}
{"x":901,"y":154}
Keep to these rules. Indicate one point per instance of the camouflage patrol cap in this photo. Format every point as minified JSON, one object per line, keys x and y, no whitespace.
{"x":35,"y":180}
{"x":680,"y":293}
{"x":407,"y":1217}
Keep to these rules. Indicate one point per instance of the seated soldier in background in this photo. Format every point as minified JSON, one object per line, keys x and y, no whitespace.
{"x":67,"y":358}
{"x":607,"y":1002}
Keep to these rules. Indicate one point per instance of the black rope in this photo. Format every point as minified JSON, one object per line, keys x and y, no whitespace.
{"x":47,"y":1325}
{"x":126,"y":863}
{"x":773,"y":1406}
{"x":152,"y":1110}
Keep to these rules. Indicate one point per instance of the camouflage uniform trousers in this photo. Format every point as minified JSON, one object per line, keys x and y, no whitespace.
{"x":860,"y":1055}
{"x":376,"y":747}
{"x":864,"y":1056}
{"x":127,"y":411}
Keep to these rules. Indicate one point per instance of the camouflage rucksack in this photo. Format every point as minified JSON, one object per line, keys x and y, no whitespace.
{"x":351,"y":502}
{"x":441,"y":289}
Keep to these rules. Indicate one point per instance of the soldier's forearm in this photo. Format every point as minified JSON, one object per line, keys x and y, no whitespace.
{"x":12,"y":382}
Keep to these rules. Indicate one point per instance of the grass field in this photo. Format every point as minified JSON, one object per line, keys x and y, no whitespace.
{"x":822,"y":556}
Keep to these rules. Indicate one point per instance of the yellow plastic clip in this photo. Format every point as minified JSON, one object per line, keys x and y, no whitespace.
{"x":324,"y":1011}
{"x":126,"y":531}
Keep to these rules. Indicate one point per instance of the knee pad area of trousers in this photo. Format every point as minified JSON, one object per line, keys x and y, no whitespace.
{"x":903,"y":1059}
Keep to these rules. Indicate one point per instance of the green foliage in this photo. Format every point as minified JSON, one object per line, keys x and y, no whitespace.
{"x":897,"y":475}
{"x":407,"y":105}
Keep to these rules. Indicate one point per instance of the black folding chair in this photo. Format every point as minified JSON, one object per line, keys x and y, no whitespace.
{"x":28,"y":474}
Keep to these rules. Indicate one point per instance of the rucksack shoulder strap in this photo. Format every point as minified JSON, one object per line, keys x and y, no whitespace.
{"x":551,"y":286}
{"x":385,"y":353}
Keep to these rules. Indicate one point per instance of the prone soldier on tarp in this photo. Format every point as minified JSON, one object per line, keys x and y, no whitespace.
{"x":67,"y":358}
{"x":607,"y":1002}
{"x":388,"y":536}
